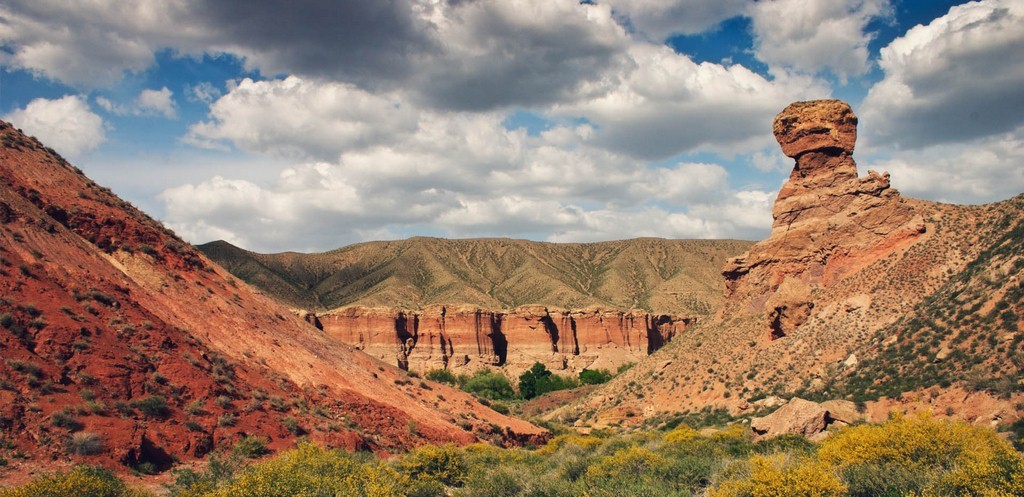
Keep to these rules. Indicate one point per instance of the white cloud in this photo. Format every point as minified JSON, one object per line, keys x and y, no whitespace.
{"x":816,"y":36}
{"x":203,"y":92}
{"x":686,"y":183}
{"x":771,"y":159}
{"x":981,"y":171}
{"x":302,"y":118}
{"x":502,"y":53}
{"x":454,"y":174}
{"x":954,"y":80}
{"x":147,"y":103}
{"x":88,"y":44}
{"x":157,"y":102}
{"x":464,"y":55}
{"x":660,"y":19}
{"x":669,"y":104}
{"x":66,"y":124}
{"x":743,"y":215}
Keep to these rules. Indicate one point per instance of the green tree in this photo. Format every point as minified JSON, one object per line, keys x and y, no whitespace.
{"x":489,"y":385}
{"x":595,"y":376}
{"x":538,"y":381}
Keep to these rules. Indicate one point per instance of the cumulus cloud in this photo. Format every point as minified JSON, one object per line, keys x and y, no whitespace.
{"x":985,"y":170}
{"x":523,"y":52}
{"x":203,"y":92}
{"x":660,"y":19}
{"x":456,"y":174}
{"x":668,"y":104}
{"x":816,"y":36}
{"x":302,"y":118}
{"x":462,"y":55}
{"x":954,"y":80}
{"x":66,"y":124}
{"x":89,"y":44}
{"x":147,"y":103}
{"x":158,"y":102}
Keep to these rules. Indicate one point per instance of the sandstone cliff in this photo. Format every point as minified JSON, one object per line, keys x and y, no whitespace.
{"x":828,"y":223}
{"x":466,"y":338}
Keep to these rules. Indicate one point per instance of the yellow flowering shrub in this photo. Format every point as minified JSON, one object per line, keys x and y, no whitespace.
{"x":781,"y":475}
{"x":732,"y":433}
{"x":682,"y":433}
{"x":81,"y":481}
{"x":585,"y":441}
{"x":444,"y":463}
{"x":631,"y":463}
{"x":965,"y":460}
{"x":312,"y":470}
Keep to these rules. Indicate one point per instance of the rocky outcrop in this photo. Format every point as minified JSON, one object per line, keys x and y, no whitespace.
{"x":828,"y":222}
{"x":470,"y":338}
{"x":803,"y":417}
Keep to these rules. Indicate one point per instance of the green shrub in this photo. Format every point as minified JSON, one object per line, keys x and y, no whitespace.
{"x":882,"y":480}
{"x":441,"y":376}
{"x":153,"y":406}
{"x":595,"y":376}
{"x":489,"y":385}
{"x":250,"y":447}
{"x":65,"y":419}
{"x":84,"y":444}
{"x":500,"y":408}
{"x":292,"y":425}
{"x":26,"y":368}
{"x":311,"y":470}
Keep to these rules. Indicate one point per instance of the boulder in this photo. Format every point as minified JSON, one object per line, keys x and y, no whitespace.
{"x":842,"y":411}
{"x":807,"y":418}
{"x":798,"y":416}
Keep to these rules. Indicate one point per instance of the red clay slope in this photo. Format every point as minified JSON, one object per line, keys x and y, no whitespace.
{"x":104,"y":312}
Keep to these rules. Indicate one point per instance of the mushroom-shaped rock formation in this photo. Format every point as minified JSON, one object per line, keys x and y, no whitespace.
{"x":828,"y":222}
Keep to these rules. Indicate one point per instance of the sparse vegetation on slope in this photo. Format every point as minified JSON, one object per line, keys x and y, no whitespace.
{"x":659,"y":275}
{"x":967,"y":332}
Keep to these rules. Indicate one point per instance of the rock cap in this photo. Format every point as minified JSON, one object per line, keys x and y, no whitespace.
{"x":828,"y":126}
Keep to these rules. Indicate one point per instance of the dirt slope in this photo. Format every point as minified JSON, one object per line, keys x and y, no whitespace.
{"x":122,"y":345}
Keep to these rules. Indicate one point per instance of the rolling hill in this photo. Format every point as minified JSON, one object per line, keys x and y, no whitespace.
{"x":657,"y":275}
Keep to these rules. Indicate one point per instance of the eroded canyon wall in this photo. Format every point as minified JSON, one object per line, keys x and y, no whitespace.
{"x":468,"y":338}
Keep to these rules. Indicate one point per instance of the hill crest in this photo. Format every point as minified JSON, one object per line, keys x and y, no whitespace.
{"x":653,"y":274}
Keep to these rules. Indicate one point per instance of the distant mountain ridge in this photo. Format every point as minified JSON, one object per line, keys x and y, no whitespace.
{"x":658,"y":275}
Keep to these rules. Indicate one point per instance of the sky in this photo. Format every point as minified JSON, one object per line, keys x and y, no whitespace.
{"x":308,"y":125}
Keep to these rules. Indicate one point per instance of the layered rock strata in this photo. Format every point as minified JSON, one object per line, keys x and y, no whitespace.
{"x":469,"y":338}
{"x":828,"y":222}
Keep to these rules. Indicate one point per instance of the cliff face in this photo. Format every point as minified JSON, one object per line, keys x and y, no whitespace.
{"x":467,"y":338}
{"x":828,"y":223}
